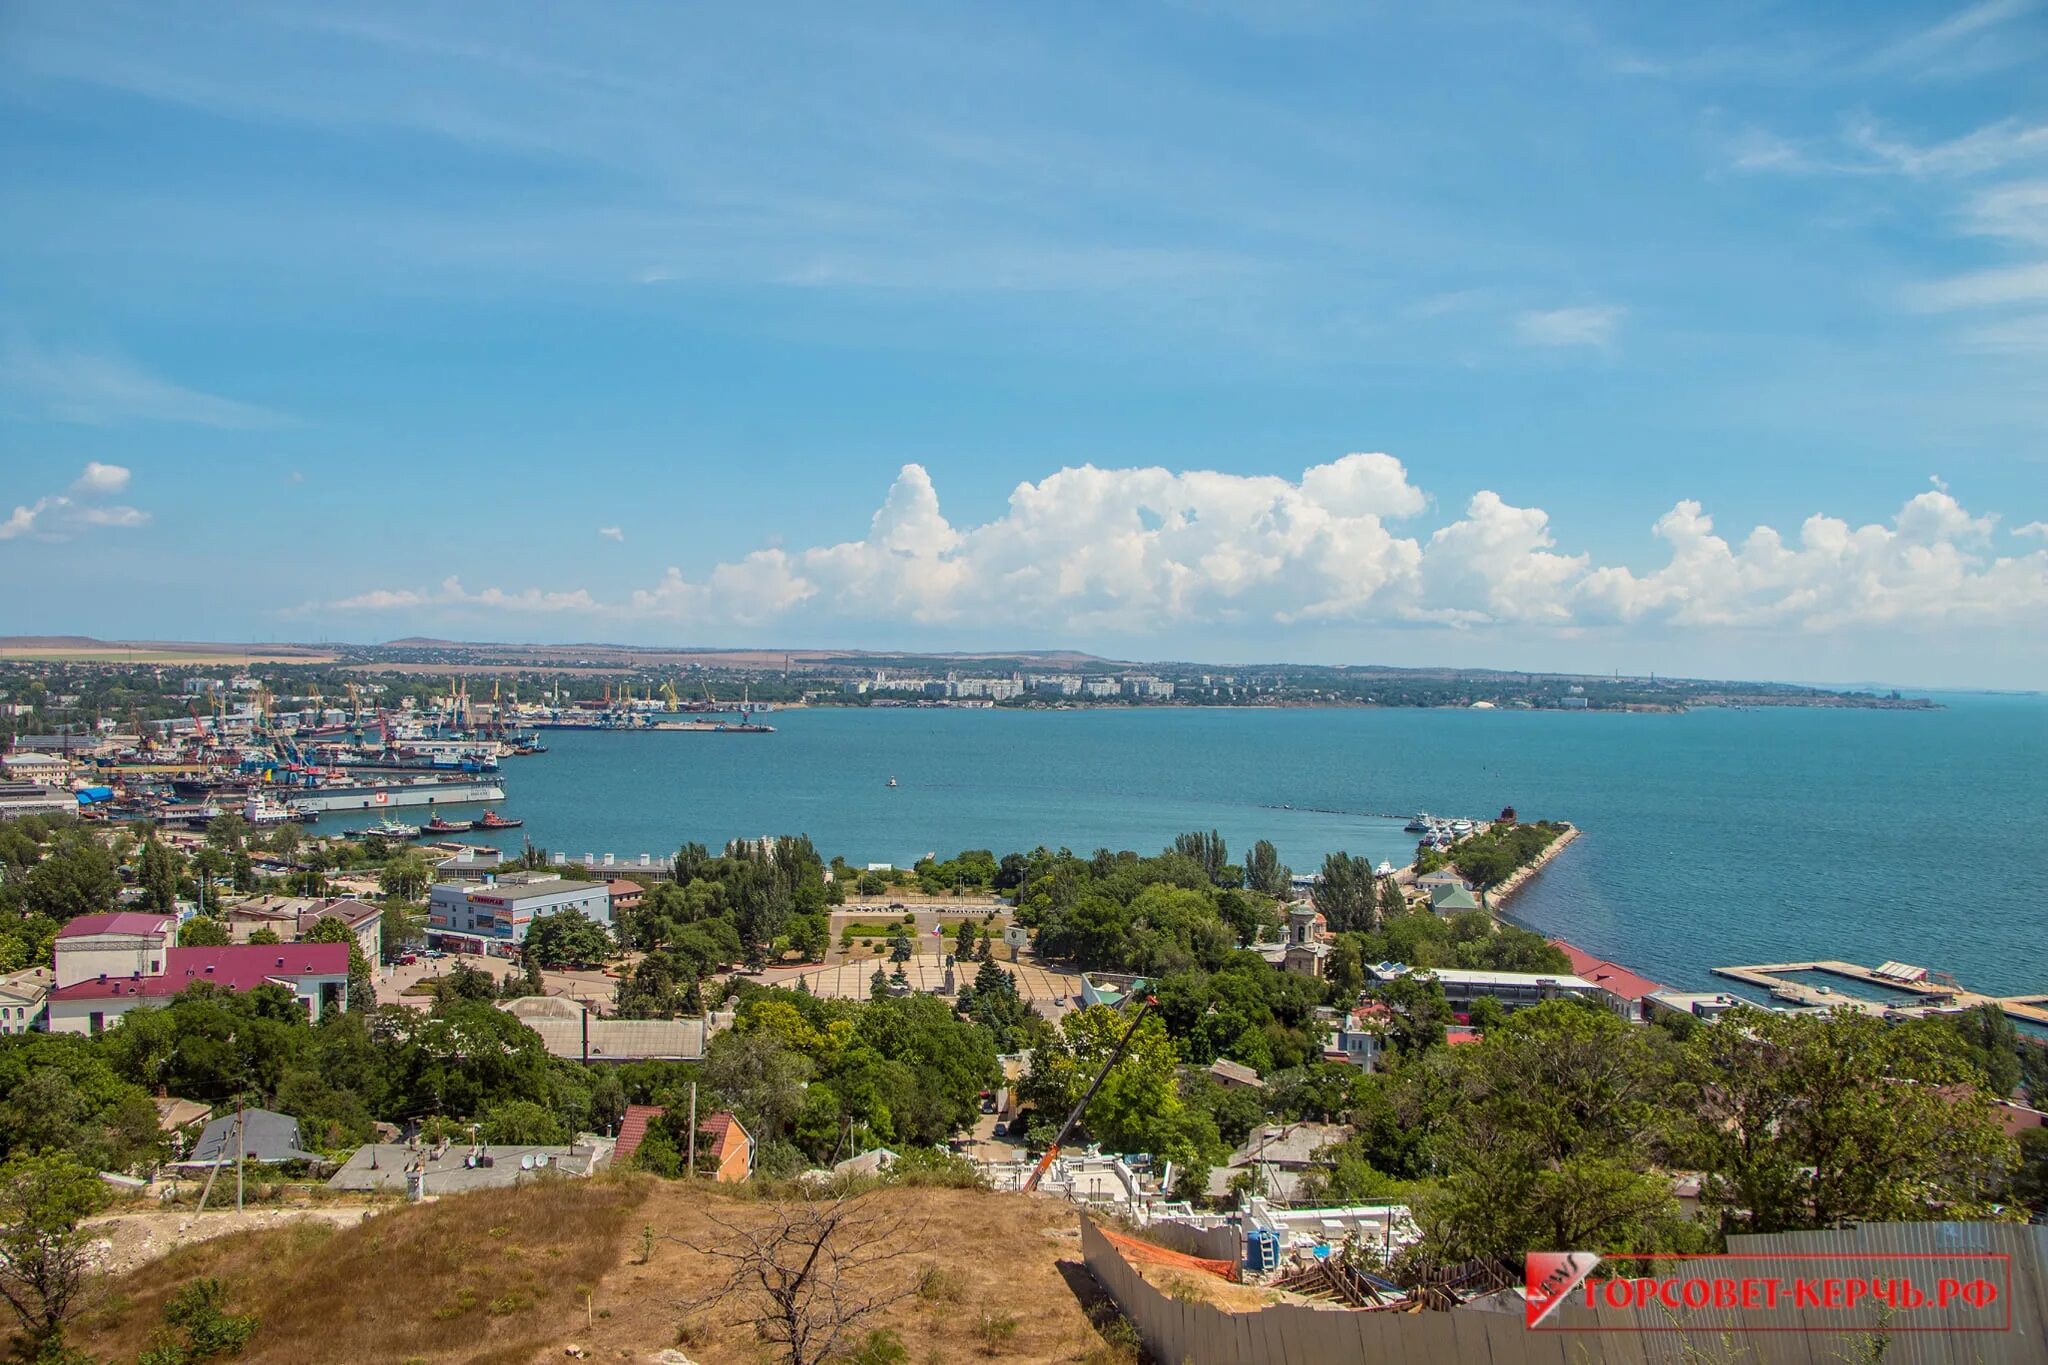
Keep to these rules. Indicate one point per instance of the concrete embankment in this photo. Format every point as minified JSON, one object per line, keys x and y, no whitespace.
{"x":1516,"y":880}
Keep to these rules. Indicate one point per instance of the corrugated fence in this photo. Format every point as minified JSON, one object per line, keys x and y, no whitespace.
{"x":1184,"y":1333}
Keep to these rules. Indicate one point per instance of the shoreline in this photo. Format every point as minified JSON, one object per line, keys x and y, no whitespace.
{"x":1520,"y":876}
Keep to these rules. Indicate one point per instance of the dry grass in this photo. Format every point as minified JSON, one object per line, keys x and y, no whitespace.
{"x":482,"y":1278}
{"x":498,"y":1277}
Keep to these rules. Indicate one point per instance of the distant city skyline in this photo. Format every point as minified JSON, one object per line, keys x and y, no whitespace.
{"x":1581,"y":339}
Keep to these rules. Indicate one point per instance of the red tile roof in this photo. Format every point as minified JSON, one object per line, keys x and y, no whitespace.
{"x":239,"y":967}
{"x":724,"y":1131}
{"x":633,"y":1128}
{"x":1610,"y":976}
{"x":117,"y":922}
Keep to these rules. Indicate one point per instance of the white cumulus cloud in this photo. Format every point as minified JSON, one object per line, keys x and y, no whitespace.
{"x":59,"y":516}
{"x":1092,"y":551}
{"x":101,"y":478}
{"x":612,"y":533}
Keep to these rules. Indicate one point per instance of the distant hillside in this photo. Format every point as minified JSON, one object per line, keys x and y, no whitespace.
{"x":493,"y":1278}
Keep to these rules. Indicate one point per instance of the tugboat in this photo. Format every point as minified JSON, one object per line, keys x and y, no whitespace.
{"x":440,"y":825}
{"x":493,"y":820}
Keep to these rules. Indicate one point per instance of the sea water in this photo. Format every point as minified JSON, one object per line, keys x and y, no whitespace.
{"x":1715,"y":837}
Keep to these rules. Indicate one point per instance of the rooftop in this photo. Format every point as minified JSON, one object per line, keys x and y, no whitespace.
{"x":239,"y":967}
{"x":116,"y":922}
{"x":1611,"y":976}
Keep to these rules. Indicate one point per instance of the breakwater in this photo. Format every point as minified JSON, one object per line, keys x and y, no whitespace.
{"x":1520,"y":876}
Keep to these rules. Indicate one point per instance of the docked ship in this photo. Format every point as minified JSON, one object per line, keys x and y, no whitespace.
{"x":426,"y":791}
{"x":492,"y":820}
{"x":442,"y":825}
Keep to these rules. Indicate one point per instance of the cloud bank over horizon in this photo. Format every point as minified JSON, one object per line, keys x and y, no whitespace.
{"x":1138,"y":552}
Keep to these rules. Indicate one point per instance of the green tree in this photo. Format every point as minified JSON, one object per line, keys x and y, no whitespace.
{"x":76,"y":877}
{"x":566,"y":938}
{"x":404,"y":924}
{"x":1346,"y":894}
{"x":1420,"y":1012}
{"x":1265,"y":873}
{"x":405,"y":876}
{"x":158,"y":873}
{"x":264,"y":934}
{"x":1392,"y":902}
{"x":204,"y":931}
{"x":45,"y":1258}
{"x":521,"y":1123}
{"x":1552,"y":1138}
{"x":1139,"y":1106}
{"x":362,"y":984}
{"x":1818,"y":1121}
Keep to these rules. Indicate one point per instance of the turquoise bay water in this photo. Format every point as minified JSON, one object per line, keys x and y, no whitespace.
{"x":1716,"y":837}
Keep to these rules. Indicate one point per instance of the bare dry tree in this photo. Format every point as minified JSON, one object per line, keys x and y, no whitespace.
{"x":805,"y":1276}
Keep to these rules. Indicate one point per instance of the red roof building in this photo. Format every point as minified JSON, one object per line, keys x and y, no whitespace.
{"x":632,"y":1129}
{"x":316,"y":973}
{"x":122,"y":922}
{"x":1626,"y":987}
{"x":729,"y":1145}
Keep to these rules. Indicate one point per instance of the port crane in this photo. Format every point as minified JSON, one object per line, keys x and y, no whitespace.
{"x":1116,"y":1054}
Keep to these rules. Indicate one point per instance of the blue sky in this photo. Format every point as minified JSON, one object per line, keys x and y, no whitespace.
{"x":935,"y":327}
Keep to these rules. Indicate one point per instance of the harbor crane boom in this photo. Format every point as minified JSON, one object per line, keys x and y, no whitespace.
{"x":1116,"y":1055}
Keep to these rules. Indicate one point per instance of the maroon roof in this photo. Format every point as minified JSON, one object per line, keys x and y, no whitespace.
{"x":239,"y":967}
{"x":117,"y":922}
{"x":1609,"y":976}
{"x":633,"y":1128}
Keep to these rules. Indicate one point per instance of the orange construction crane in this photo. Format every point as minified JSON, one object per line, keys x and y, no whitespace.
{"x":1074,"y":1119}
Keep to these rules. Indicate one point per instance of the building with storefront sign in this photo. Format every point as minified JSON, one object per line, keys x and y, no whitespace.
{"x":492,"y":918}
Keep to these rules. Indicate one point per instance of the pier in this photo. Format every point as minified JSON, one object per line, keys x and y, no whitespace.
{"x":1937,"y":994}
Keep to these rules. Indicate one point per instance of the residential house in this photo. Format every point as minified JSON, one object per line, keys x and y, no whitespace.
{"x":1278,"y":1155}
{"x":1234,"y":1075}
{"x":1359,"y":1035}
{"x":732,"y":1148}
{"x":23,"y":998}
{"x":1452,"y":900}
{"x":626,"y":894}
{"x":1446,"y":876}
{"x":260,"y":1135}
{"x":364,"y":920}
{"x":1708,"y":1005}
{"x":725,"y":1150}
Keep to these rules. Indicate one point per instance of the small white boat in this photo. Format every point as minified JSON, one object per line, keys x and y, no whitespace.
{"x":892,"y":781}
{"x":1385,"y":869}
{"x":260,"y":810}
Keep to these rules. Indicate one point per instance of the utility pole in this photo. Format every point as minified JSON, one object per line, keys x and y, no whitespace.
{"x":240,"y":1150}
{"x":693,"y":1130}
